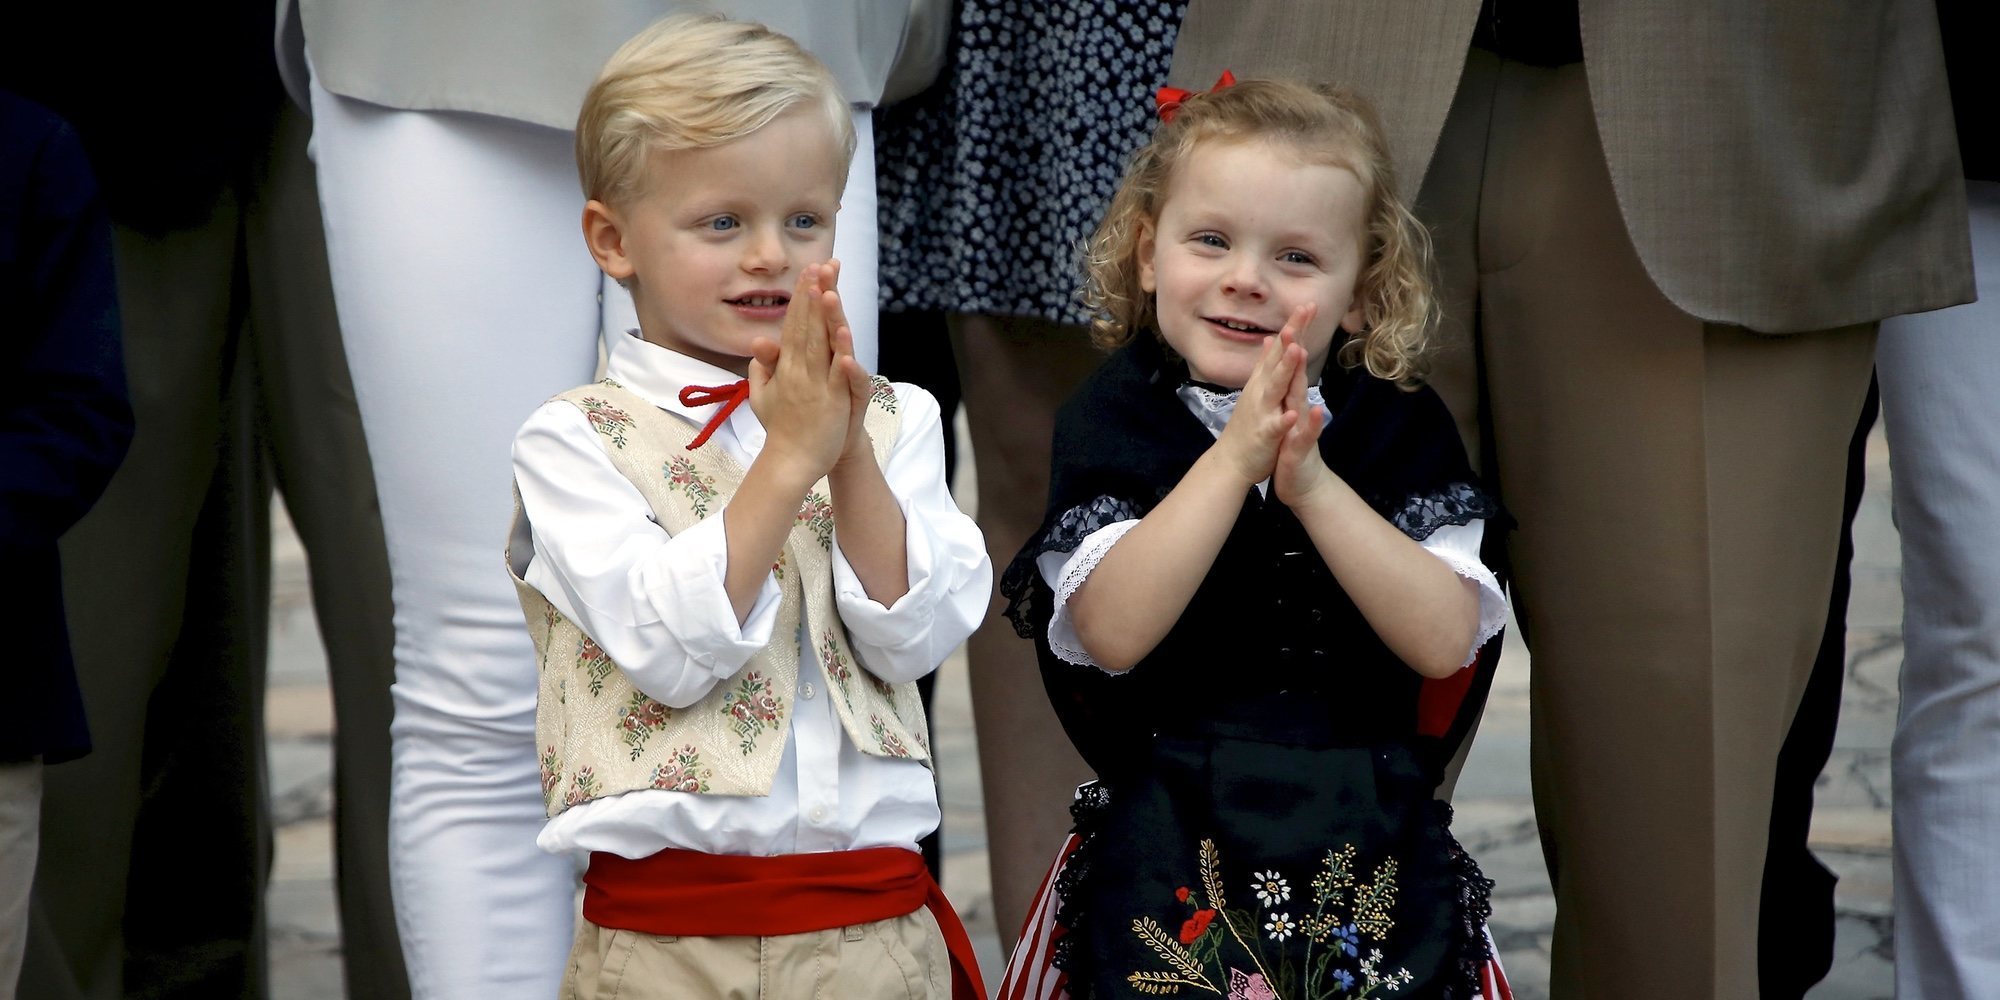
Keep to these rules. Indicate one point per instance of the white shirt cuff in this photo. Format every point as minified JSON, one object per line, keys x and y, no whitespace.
{"x":1064,"y":577}
{"x":690,"y":595}
{"x":1458,"y":546}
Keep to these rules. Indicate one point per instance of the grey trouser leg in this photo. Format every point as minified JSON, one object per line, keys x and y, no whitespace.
{"x":1940,"y":375}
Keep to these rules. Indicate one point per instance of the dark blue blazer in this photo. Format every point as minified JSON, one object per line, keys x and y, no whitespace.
{"x":65,"y":419}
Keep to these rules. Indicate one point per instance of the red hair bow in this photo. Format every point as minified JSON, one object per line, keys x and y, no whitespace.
{"x":1170,"y":98}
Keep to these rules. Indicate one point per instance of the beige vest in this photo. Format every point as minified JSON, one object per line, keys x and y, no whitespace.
{"x":599,"y":735}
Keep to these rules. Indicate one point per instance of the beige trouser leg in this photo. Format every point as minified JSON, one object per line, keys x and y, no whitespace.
{"x":1015,"y":373}
{"x":1678,"y":486}
{"x":903,"y":957}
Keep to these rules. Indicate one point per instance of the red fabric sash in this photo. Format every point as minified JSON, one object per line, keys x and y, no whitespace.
{"x":691,"y":894}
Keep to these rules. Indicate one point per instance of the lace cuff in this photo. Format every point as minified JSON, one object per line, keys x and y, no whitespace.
{"x":1458,"y":546}
{"x":1064,"y":577}
{"x":1459,"y":503}
{"x":1061,"y":537}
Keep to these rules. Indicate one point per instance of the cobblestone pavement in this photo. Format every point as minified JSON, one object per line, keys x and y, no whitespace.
{"x":1495,"y":816}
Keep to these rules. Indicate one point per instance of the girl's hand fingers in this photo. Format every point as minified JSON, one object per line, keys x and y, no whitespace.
{"x":1302,"y":317}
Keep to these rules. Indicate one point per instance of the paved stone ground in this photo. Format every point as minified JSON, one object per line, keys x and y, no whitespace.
{"x":1495,"y":817}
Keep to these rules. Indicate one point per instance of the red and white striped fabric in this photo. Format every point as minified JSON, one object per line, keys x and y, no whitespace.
{"x":1032,"y":976}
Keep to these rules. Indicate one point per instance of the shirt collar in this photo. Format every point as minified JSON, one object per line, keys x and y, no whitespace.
{"x":658,"y":374}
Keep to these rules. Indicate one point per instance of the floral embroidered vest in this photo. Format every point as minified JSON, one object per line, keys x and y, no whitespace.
{"x":599,"y":735}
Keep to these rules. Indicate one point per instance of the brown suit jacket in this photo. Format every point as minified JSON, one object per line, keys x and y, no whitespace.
{"x":1783,"y":165}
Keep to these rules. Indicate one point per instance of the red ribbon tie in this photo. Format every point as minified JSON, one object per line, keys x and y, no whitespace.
{"x":730,"y":396}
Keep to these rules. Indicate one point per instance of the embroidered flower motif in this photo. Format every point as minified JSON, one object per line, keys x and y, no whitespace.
{"x":890,"y":744}
{"x":831,"y":660}
{"x":606,"y":419}
{"x":551,"y":770}
{"x":882,"y":394}
{"x":639,"y":719}
{"x":682,"y":773}
{"x":1347,"y":939}
{"x":1217,"y":943}
{"x":1249,"y":986}
{"x":582,"y":786}
{"x":817,"y":513}
{"x":752,"y":708}
{"x":683,"y":477}
{"x":1195,"y":926}
{"x":595,"y":663}
{"x":1272,"y":888}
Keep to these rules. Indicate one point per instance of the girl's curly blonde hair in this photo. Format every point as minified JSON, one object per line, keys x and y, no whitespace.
{"x":1326,"y":125}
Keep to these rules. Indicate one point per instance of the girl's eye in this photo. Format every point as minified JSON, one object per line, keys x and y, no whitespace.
{"x":722,"y":223}
{"x":805,"y":220}
{"x":1212,"y":240}
{"x":1297,"y":257}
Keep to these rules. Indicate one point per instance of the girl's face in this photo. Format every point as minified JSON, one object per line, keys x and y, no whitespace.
{"x":1247,"y":232}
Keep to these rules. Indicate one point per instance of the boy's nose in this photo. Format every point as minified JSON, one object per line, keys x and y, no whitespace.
{"x":765,"y":254}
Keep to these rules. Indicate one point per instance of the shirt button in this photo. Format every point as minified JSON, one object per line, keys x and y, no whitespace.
{"x":808,"y":692}
{"x":818,"y":814}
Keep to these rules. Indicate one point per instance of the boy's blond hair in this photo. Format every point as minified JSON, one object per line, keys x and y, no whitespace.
{"x":1322,"y":124}
{"x":692,"y":81}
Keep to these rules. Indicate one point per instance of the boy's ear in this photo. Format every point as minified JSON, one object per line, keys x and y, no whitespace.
{"x":1143,"y":249}
{"x":605,"y":235}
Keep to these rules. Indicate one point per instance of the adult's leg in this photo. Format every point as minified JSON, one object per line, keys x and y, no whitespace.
{"x":311,"y":430}
{"x":1448,"y":204}
{"x":201,"y":850}
{"x":20,"y":826}
{"x":465,"y":300}
{"x":1795,"y":928}
{"x":1941,"y":409}
{"x":857,"y":245}
{"x":126,"y":568}
{"x":1015,"y":373}
{"x":1678,"y":490}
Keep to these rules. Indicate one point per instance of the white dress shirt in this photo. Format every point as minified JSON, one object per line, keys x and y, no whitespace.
{"x":655,"y":603}
{"x":1064,"y":572}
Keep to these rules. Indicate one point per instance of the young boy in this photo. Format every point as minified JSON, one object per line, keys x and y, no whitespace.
{"x":731,"y":604}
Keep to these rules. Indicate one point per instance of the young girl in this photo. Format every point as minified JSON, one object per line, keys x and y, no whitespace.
{"x":1262,"y":539}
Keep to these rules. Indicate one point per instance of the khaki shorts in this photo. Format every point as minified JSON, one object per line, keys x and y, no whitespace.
{"x":902,"y":958}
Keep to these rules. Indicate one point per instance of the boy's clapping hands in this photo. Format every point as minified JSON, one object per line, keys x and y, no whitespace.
{"x":808,"y":389}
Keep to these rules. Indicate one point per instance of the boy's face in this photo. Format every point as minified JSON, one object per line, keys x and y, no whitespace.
{"x":1247,"y":232}
{"x":715,"y":241}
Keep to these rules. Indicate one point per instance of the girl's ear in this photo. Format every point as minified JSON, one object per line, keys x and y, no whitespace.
{"x":605,"y":235}
{"x":1143,"y":249}
{"x":1357,"y":309}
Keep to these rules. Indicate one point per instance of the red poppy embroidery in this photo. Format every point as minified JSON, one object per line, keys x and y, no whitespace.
{"x":1193,"y":927}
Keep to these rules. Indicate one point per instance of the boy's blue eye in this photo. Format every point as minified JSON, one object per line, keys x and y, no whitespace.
{"x":805,"y":220}
{"x":722,"y":223}
{"x":1211,"y":240}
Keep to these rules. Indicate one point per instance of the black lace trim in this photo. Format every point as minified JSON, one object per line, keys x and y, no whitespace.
{"x":1067,"y":951}
{"x":1460,"y":503}
{"x":1469,"y":951}
{"x":1064,"y":534}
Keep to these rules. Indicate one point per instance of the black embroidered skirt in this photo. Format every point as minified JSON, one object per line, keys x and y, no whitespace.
{"x":1237,"y":864}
